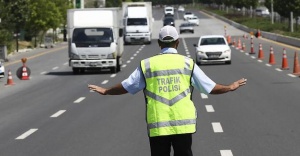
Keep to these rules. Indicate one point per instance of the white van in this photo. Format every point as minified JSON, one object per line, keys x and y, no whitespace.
{"x":169,"y":10}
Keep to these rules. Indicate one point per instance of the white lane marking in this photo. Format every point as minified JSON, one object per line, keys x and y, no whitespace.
{"x":209,"y":108}
{"x":113,"y":75}
{"x":226,"y":153}
{"x":268,"y":65}
{"x":26,"y":134}
{"x":131,"y":58}
{"x":203,"y":96}
{"x":188,"y":55}
{"x":134,"y":54}
{"x":246,"y":53}
{"x":217,"y":127}
{"x":124,"y":65}
{"x":44,"y":73}
{"x":128,"y":61}
{"x":57,"y":114}
{"x":79,"y":100}
{"x":54,"y":68}
{"x":92,"y":91}
{"x":253,"y":57}
{"x":241,"y":51}
{"x":66,"y":63}
{"x":278,"y":69}
{"x":291,"y":75}
{"x":259,"y":60}
{"x":187,"y":52}
{"x":104,"y":82}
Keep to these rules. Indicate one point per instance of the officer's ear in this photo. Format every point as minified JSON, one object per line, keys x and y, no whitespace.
{"x":176,"y":44}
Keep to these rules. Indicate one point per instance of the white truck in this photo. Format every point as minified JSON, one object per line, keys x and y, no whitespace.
{"x":138,"y":22}
{"x":95,"y":39}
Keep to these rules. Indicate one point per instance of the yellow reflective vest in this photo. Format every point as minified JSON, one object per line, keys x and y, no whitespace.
{"x":170,"y":109}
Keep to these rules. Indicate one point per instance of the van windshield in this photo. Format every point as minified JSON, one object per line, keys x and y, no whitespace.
{"x":136,"y":21}
{"x":92,"y":37}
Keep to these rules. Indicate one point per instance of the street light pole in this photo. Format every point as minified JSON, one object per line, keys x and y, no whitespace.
{"x":272,"y":12}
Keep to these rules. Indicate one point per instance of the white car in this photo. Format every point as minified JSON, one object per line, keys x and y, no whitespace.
{"x":180,"y":9}
{"x":169,"y":10}
{"x":2,"y":70}
{"x":212,"y":49}
{"x":188,"y":15}
{"x":194,"y":20}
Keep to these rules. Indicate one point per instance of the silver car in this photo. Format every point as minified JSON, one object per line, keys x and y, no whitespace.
{"x":186,"y":27}
{"x":2,"y":70}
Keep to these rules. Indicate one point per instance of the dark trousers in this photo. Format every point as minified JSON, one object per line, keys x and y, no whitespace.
{"x":161,"y":145}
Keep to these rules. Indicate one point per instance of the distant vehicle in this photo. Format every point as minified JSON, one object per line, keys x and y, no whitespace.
{"x":2,"y":69}
{"x":262,"y":11}
{"x":169,"y":10}
{"x":212,"y":48}
{"x":180,"y":9}
{"x":169,"y":15}
{"x":188,"y":15}
{"x":186,"y":27}
{"x":169,"y":21}
{"x":194,"y":20}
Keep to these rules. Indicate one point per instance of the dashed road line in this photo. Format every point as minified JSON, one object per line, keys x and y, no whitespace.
{"x":259,"y":61}
{"x":209,"y":108}
{"x":26,"y":134}
{"x":104,"y":82}
{"x":278,"y":69}
{"x":44,"y":73}
{"x":226,"y":153}
{"x":57,"y":114}
{"x":203,"y":96}
{"x":128,"y":61}
{"x":217,"y":127}
{"x":268,"y":65}
{"x":55,"y":68}
{"x":291,"y":75}
{"x":79,"y":100}
{"x":131,"y":58}
{"x":113,"y":75}
{"x":124,"y":65}
{"x":66,"y":63}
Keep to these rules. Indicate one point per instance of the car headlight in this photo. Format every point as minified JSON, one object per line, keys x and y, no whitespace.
{"x":227,"y":51}
{"x":74,"y":56}
{"x":111,"y":56}
{"x":200,"y":52}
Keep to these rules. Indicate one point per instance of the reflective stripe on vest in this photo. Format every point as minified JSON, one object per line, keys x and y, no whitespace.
{"x":172,"y":123}
{"x":169,"y":107}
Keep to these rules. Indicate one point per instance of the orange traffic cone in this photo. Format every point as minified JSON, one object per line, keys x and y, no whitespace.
{"x":243,"y":47}
{"x":24,"y":73}
{"x":9,"y":79}
{"x":258,"y":33}
{"x":228,"y":39}
{"x":285,"y":65}
{"x":260,"y":52}
{"x":252,"y":48}
{"x":296,"y":70}
{"x":272,"y":57}
{"x":233,"y":44}
{"x":239,"y":46}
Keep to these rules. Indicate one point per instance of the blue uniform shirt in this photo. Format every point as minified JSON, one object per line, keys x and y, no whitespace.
{"x":136,"y":82}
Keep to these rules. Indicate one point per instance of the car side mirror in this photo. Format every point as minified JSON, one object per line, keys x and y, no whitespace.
{"x":195,"y":45}
{"x":230,"y":44}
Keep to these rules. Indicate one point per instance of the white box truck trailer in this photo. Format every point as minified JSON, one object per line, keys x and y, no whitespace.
{"x":95,"y":39}
{"x":138,"y":22}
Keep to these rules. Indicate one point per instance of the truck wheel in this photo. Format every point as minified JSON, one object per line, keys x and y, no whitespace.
{"x":76,"y":70}
{"x":118,"y":64}
{"x":113,"y":69}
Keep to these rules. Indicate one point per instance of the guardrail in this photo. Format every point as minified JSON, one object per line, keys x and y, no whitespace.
{"x":275,"y":37}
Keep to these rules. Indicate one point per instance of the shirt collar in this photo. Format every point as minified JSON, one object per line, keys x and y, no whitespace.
{"x":168,"y":51}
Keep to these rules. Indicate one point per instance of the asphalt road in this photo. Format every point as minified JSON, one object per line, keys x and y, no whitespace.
{"x":54,"y":113}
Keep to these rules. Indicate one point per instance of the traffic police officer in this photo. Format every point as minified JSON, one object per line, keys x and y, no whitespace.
{"x":167,"y":80}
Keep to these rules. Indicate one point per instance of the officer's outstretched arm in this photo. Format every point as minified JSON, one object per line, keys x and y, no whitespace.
{"x":220,"y":89}
{"x":115,"y":90}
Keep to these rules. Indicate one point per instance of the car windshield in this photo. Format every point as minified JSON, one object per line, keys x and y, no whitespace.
{"x":213,"y":41}
{"x":92,"y":37}
{"x":185,"y":25}
{"x":188,"y":13}
{"x":136,"y":21}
